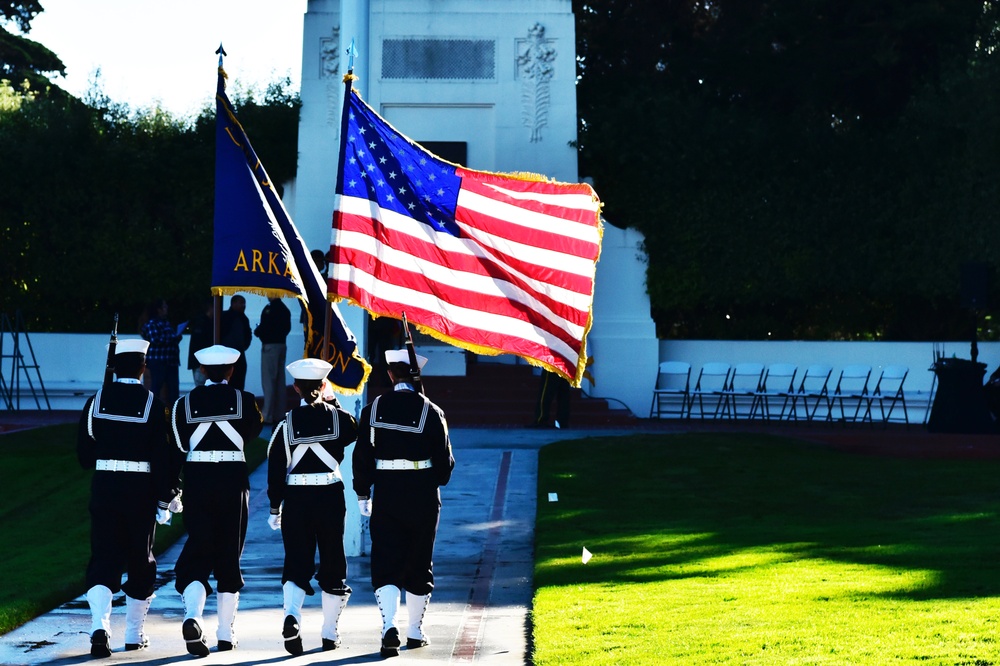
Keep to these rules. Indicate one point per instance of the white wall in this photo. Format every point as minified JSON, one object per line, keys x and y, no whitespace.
{"x":74,"y":362}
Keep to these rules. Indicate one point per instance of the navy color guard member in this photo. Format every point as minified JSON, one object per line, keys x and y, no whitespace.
{"x":212,"y":426}
{"x":404,"y":453}
{"x":123,"y":435}
{"x":306,"y":491}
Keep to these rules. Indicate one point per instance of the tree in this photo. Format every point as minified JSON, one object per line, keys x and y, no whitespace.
{"x":803,"y":162}
{"x":24,"y":62}
{"x":105,"y":209}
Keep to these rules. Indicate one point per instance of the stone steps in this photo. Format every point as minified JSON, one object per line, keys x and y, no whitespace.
{"x":504,"y":395}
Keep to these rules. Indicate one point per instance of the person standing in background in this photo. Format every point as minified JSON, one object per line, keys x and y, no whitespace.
{"x":235,"y":334}
{"x":555,"y":387}
{"x":275,"y":324}
{"x":202,"y":329}
{"x":164,"y":355}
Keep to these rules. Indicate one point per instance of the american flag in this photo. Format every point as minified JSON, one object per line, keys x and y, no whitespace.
{"x":489,"y":262}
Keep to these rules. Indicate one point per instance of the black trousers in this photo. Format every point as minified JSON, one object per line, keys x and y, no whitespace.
{"x":552,"y":387}
{"x":312,"y":519}
{"x":122,"y":528}
{"x":216,"y":524}
{"x":403,"y":536}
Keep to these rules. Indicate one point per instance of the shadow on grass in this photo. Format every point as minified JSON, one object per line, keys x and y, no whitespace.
{"x":665,"y":506}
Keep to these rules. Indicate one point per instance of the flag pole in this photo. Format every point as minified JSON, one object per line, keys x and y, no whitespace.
{"x":217,"y":298}
{"x":348,"y":78}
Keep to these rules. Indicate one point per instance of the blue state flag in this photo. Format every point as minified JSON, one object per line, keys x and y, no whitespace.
{"x":258,"y":250}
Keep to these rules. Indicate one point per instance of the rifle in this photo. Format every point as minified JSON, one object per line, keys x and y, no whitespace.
{"x":109,"y":366}
{"x":414,"y":365}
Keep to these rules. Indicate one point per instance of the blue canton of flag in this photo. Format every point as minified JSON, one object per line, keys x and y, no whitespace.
{"x":381,"y":165}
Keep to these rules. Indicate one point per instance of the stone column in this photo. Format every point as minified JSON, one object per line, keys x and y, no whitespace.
{"x":622,"y":340}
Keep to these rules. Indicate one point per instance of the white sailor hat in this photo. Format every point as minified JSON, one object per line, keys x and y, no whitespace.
{"x":217,"y":355}
{"x":403,"y":356}
{"x":309,"y":368}
{"x":130,"y":346}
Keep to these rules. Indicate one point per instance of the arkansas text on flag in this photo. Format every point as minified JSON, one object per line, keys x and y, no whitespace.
{"x":258,"y":249}
{"x":489,"y":262}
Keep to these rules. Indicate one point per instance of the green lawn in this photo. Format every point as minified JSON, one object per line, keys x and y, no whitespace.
{"x":747,"y":549}
{"x":45,"y":525}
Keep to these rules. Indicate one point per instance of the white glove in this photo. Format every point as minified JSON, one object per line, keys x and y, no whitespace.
{"x":365,"y":506}
{"x":274,"y":521}
{"x":175,"y":505}
{"x":163,"y":516}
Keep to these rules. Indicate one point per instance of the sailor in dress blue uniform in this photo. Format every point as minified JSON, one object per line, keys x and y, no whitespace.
{"x":402,"y":458}
{"x":123,"y":436}
{"x":306,"y":492}
{"x":212,"y":426}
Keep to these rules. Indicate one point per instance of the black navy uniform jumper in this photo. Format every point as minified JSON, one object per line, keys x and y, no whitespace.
{"x":399,"y":432}
{"x":123,"y":433}
{"x":303,"y":471}
{"x":212,"y":426}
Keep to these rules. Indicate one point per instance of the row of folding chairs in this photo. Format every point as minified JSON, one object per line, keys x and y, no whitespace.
{"x":780,"y":391}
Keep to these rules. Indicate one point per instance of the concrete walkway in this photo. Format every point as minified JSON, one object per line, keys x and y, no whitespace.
{"x":478,"y":612}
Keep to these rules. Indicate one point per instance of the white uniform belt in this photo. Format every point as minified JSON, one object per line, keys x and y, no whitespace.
{"x":216,"y":456}
{"x":402,"y":463}
{"x":318,"y":479}
{"x":122,"y":466}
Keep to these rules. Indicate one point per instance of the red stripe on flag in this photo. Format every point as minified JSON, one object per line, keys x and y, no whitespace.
{"x":454,"y":294}
{"x":438,"y":322}
{"x":505,"y":229}
{"x":523,"y":185}
{"x":547,"y":204}
{"x":540,"y":277}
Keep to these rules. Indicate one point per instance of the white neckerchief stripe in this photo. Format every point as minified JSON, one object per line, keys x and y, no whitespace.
{"x":312,"y":443}
{"x":95,"y":413}
{"x":396,"y":426}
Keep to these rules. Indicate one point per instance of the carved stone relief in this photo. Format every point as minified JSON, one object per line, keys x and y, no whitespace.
{"x":535,"y":56}
{"x":329,"y":69}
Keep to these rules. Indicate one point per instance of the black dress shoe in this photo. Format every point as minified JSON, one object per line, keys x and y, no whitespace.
{"x":329,"y":644}
{"x":100,"y":644}
{"x":290,"y":632}
{"x":141,"y":645}
{"x":390,"y":643}
{"x":226,"y":646}
{"x":414,"y":643}
{"x":194,"y":638}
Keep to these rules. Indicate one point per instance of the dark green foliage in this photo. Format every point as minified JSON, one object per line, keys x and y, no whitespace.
{"x":105,"y":209}
{"x":803,"y":169}
{"x":23,"y":59}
